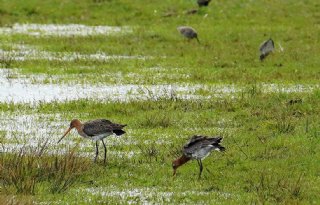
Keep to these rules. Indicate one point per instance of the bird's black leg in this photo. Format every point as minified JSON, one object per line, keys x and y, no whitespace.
{"x":198,"y":40}
{"x":97,"y":151}
{"x":105,"y":151}
{"x":201,"y":167}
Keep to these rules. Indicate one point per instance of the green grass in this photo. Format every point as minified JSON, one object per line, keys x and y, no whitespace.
{"x":271,"y":144}
{"x":230,"y":35}
{"x":265,"y":162}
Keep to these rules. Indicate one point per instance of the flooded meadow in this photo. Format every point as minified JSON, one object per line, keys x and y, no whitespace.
{"x":125,"y":62}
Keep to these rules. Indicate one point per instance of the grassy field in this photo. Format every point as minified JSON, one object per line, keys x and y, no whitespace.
{"x":269,"y":119}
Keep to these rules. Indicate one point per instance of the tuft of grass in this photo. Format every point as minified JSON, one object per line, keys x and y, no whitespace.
{"x":150,"y":152}
{"x":16,"y":200}
{"x":26,"y":169}
{"x":157,"y":120}
{"x":271,"y":188}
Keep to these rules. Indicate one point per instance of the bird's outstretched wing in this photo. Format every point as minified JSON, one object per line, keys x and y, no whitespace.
{"x":197,"y":142}
{"x":194,"y":140}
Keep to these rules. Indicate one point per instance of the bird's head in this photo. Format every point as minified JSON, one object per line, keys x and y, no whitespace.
{"x":178,"y":162}
{"x":73,"y":124}
{"x":175,"y":165}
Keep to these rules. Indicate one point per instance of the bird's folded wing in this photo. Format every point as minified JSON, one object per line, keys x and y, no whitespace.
{"x":97,"y":127}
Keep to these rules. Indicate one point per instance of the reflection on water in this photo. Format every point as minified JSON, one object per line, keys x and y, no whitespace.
{"x":62,"y":30}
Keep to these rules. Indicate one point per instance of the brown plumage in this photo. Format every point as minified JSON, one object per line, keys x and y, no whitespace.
{"x":96,"y":130}
{"x":198,"y":148}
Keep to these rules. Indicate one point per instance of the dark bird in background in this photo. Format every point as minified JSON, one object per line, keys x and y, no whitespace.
{"x":266,"y":48}
{"x":96,"y":130}
{"x":197,"y":148}
{"x":203,"y":2}
{"x":188,"y":32}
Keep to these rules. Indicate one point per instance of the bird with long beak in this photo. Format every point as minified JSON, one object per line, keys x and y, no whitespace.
{"x":198,"y":148}
{"x":188,"y":32}
{"x":96,"y":130}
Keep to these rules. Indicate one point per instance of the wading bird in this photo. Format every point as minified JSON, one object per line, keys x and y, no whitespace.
{"x":96,"y":130}
{"x":266,"y":48}
{"x":197,"y":148}
{"x":188,"y":32}
{"x":203,"y":2}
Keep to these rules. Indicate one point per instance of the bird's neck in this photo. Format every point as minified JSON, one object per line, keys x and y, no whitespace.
{"x":79,"y":127}
{"x":182,"y":160}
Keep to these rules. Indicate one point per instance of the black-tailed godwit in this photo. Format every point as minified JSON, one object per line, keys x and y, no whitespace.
{"x":197,"y":148}
{"x":188,"y":32}
{"x":96,"y":130}
{"x":266,"y":48}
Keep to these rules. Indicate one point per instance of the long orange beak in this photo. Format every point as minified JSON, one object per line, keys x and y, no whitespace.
{"x":68,"y":130}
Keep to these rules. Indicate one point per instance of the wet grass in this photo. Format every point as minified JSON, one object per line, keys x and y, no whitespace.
{"x":271,"y":137}
{"x":228,"y":52}
{"x":271,"y":152}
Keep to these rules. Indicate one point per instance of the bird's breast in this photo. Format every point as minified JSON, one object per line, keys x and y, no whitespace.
{"x":82,"y":133}
{"x":100,"y":137}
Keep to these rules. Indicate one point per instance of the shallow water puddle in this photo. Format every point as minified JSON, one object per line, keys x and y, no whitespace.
{"x":35,"y":93}
{"x":30,"y":124}
{"x":148,"y":195}
{"x":29,"y":130}
{"x":17,"y":91}
{"x":62,"y":30}
{"x":139,"y":195}
{"x":298,"y":88}
{"x":24,"y":90}
{"x":25,"y":52}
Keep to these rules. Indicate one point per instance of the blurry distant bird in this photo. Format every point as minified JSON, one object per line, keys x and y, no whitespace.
{"x":266,"y":48}
{"x":188,"y":32}
{"x":203,"y":2}
{"x":96,"y":130}
{"x":197,"y":148}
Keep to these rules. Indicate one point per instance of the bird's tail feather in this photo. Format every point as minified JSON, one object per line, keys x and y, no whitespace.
{"x":220,"y":148}
{"x":262,"y":56}
{"x":118,"y":132}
